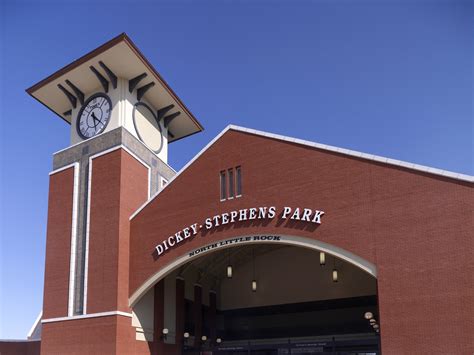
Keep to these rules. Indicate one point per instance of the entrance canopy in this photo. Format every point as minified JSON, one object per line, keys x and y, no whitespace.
{"x":238,"y":245}
{"x":262,"y":297}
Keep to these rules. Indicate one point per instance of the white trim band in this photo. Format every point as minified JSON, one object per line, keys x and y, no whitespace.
{"x":85,"y":316}
{"x":65,"y":167}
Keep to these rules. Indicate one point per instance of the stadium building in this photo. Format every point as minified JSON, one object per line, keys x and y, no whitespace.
{"x":261,"y":244}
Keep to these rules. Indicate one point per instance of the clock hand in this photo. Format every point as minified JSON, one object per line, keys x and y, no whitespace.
{"x":95,"y":119}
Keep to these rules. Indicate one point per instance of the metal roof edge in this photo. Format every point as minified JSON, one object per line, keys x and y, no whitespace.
{"x":343,"y":151}
{"x":84,"y":58}
{"x":34,"y":326}
{"x":181,"y":170}
{"x":357,"y":154}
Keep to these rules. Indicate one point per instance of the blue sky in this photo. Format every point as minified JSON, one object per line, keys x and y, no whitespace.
{"x":392,"y":78}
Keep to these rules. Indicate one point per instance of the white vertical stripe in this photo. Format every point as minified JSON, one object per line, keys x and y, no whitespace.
{"x":72,"y":259}
{"x":86,"y":258}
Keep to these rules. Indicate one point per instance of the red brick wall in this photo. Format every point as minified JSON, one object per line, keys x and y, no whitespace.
{"x":126,"y":342}
{"x":415,"y":227}
{"x":159,"y":346}
{"x":133,"y":193}
{"x":92,"y":336}
{"x":58,"y":244}
{"x":20,"y":347}
{"x":88,"y":336}
{"x":119,"y":185}
{"x":180,"y":311}
{"x":83,"y":336}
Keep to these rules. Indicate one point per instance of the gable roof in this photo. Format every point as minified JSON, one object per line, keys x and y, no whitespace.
{"x":343,"y":151}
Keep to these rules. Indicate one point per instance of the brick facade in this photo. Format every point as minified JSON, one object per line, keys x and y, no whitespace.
{"x":415,"y":227}
{"x":20,"y":347}
{"x":56,"y":279}
{"x":119,"y":185}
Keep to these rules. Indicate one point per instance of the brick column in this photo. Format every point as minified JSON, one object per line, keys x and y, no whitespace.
{"x":180,"y":316}
{"x":197,"y":315}
{"x":158,"y":317}
{"x":58,"y":243}
{"x":213,"y":316}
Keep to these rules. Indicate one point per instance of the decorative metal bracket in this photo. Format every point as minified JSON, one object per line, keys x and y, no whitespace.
{"x":79,"y":93}
{"x":132,"y":83}
{"x":169,"y":118}
{"x":72,"y":99}
{"x":110,"y":74}
{"x":142,"y":90}
{"x":163,"y":111}
{"x":102,"y":79}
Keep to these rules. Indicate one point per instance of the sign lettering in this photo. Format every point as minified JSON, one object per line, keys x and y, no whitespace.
{"x":247,"y":214}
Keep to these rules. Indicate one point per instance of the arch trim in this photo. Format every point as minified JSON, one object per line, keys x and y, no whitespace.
{"x":308,"y":243}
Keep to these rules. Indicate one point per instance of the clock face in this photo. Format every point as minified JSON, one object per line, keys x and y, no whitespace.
{"x":94,"y":115}
{"x":147,"y":126}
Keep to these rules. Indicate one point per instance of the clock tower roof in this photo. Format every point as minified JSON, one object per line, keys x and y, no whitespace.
{"x":63,"y":90}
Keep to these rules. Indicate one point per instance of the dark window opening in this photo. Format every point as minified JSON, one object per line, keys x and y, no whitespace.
{"x":239,"y":180}
{"x":231,"y":183}
{"x":223,"y":186}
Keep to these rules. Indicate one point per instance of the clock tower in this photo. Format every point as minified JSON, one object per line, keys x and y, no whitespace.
{"x":122,"y":117}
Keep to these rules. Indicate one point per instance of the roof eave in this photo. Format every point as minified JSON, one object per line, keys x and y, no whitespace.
{"x":123,"y":37}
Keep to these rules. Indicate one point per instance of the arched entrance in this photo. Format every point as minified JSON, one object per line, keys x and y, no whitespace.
{"x":273,"y":295}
